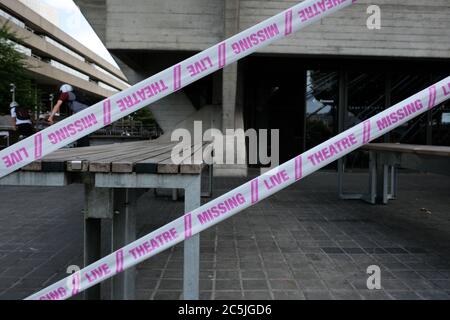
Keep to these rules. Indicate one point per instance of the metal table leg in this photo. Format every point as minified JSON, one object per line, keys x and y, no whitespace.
{"x":123,"y":233}
{"x":341,"y":170}
{"x":372,"y":177}
{"x":394,"y":179}
{"x":382,"y":180}
{"x":98,"y":205}
{"x":209,"y":192}
{"x":192,"y":245}
{"x":92,"y":251}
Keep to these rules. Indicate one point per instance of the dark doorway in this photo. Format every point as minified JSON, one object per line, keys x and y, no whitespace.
{"x":275,"y":99}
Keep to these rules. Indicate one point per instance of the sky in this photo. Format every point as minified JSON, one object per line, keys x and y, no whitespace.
{"x":71,"y":20}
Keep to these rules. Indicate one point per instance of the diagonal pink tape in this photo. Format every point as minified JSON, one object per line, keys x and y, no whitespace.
{"x":168,"y":81}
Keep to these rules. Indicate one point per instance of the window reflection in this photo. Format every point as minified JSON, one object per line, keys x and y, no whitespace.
{"x":322,"y":98}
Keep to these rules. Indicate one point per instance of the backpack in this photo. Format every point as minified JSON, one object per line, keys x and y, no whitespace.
{"x":22,"y":113}
{"x":75,"y":105}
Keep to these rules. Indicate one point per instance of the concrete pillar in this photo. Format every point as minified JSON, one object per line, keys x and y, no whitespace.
{"x":95,"y":12}
{"x":229,"y":96}
{"x":231,"y":20}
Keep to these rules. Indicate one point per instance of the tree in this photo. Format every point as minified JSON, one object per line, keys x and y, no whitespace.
{"x":13,"y":70}
{"x":145,"y":116}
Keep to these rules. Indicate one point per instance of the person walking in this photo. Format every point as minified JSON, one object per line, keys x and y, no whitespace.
{"x":68,"y":96}
{"x":21,"y":120}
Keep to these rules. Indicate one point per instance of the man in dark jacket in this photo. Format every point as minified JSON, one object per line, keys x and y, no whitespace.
{"x":68,"y":96}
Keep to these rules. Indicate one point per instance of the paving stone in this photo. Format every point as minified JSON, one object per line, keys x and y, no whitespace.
{"x":442,"y":284}
{"x":206,"y":295}
{"x":305,"y":233}
{"x":353,"y":250}
{"x":167,"y":295}
{"x":275,"y":274}
{"x":14,"y":294}
{"x":283,"y":285}
{"x":393,"y":284}
{"x":374,"y":295}
{"x":433,"y":294}
{"x":257,"y":295}
{"x":146,"y":284}
{"x":227,"y":285}
{"x":311,"y":284}
{"x":143,"y":294}
{"x":396,"y":250}
{"x":318,"y":295}
{"x":229,"y":295}
{"x":227,"y":274}
{"x":288,"y":295}
{"x":170,"y":284}
{"x":346,"y":295}
{"x":403,"y":295}
{"x":253,"y":274}
{"x":254,"y":284}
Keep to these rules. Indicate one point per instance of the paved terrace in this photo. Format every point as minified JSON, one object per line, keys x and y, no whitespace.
{"x":303,"y":243}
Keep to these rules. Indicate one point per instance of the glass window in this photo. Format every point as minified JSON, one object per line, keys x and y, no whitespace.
{"x":322,"y":99}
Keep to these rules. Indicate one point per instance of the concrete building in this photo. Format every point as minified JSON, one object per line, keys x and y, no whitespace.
{"x":54,"y":57}
{"x":43,"y":9}
{"x":311,"y":85}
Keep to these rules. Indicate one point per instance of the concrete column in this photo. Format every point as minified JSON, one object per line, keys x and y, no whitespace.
{"x":229,"y":96}
{"x":123,"y":233}
{"x":95,"y":12}
{"x":231,"y":20}
{"x":191,"y":278}
{"x":97,"y":207}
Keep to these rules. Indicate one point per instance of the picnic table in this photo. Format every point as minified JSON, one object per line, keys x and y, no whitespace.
{"x":114,"y":177}
{"x":386,"y":158}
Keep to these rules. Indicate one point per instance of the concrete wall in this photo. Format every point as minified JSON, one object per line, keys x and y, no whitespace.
{"x":40,"y":25}
{"x":413,"y":28}
{"x":165,"y":25}
{"x":45,"y":49}
{"x":172,"y":110}
{"x":95,"y":12}
{"x":41,"y":70}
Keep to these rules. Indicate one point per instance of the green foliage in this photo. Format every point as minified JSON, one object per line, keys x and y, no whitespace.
{"x":145,"y":116}
{"x":13,"y":70}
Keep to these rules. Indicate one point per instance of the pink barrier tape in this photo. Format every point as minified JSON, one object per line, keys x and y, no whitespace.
{"x":147,"y":92}
{"x":166,"y":82}
{"x":252,"y":192}
{"x":187,"y":226}
{"x":107,"y":112}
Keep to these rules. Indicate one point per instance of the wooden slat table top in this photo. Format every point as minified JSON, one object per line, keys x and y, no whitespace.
{"x":139,"y":157}
{"x":410,"y":148}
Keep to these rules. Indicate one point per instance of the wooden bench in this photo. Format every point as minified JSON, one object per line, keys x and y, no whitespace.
{"x":114,"y":177}
{"x":386,"y":158}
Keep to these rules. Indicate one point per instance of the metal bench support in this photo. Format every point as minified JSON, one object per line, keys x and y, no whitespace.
{"x":192,"y":245}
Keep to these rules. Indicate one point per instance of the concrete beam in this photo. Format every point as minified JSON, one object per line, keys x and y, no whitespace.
{"x":231,"y":27}
{"x":230,"y":75}
{"x":45,"y":49}
{"x":35,"y":179}
{"x":40,"y":24}
{"x":37,"y":67}
{"x":95,"y":12}
{"x":163,"y":25}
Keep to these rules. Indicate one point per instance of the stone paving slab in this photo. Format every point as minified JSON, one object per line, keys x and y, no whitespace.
{"x":303,"y":243}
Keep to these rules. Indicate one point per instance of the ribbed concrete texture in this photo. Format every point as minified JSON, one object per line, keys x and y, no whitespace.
{"x":412,"y":28}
